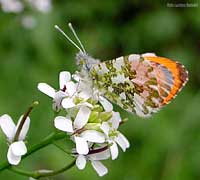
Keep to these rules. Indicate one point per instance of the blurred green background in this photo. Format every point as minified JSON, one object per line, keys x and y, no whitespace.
{"x":166,"y":146}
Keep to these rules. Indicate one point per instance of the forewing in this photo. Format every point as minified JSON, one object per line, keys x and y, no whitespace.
{"x":139,"y":83}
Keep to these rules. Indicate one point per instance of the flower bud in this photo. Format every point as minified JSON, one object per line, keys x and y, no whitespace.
{"x":93,"y":126}
{"x":94,"y":117}
{"x":78,"y":100}
{"x":98,"y":108}
{"x":105,"y":116}
{"x":113,"y":133}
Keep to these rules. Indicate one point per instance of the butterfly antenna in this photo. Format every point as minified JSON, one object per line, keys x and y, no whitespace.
{"x":76,"y":36}
{"x":69,"y":39}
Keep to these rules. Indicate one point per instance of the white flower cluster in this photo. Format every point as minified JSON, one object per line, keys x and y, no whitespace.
{"x":90,"y":121}
{"x":17,"y":6}
{"x":43,"y":6}
{"x":28,"y":21}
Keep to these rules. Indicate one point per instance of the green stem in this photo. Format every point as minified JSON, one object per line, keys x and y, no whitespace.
{"x":39,"y":174}
{"x":62,"y":149}
{"x":45,"y":142}
{"x":51,"y":139}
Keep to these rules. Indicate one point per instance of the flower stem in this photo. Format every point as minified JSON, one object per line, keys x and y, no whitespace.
{"x":45,"y":142}
{"x":35,"y":103}
{"x":62,"y":149}
{"x":45,"y":173}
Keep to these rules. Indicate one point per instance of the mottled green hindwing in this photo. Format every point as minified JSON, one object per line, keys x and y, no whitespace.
{"x":113,"y":79}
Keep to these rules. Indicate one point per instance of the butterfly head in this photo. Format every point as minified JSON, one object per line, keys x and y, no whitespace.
{"x":85,"y":61}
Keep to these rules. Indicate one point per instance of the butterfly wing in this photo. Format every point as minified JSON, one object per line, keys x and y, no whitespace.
{"x":139,"y":83}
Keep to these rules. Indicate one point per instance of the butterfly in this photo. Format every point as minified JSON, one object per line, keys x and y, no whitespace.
{"x":140,"y":84}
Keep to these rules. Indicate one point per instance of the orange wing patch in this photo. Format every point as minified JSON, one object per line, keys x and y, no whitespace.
{"x":180,"y":75}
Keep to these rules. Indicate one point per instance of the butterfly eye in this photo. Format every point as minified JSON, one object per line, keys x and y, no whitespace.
{"x":87,"y":67}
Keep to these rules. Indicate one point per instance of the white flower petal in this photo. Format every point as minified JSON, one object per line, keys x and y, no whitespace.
{"x":63,"y":124}
{"x":57,"y":102}
{"x":81,"y":145}
{"x":99,"y":168}
{"x":46,"y":89}
{"x":28,"y":21}
{"x":122,"y":141}
{"x":64,"y":77}
{"x":43,"y":6}
{"x":24,"y":129}
{"x":114,"y":151}
{"x":76,"y":77}
{"x":12,"y":6}
{"x":100,"y":156}
{"x":105,"y":128}
{"x":86,"y":104}
{"x":95,"y":94}
{"x":8,"y":127}
{"x":93,"y":136}
{"x":82,"y":117}
{"x":85,"y":95}
{"x":81,"y":162}
{"x":106,"y":104}
{"x":115,"y":120}
{"x":12,"y":159}
{"x":59,"y":95}
{"x":71,"y":88}
{"x":18,"y":148}
{"x":68,"y":103}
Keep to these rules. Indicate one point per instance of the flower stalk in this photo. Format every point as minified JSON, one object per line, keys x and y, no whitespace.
{"x":35,"y":103}
{"x":42,"y":173}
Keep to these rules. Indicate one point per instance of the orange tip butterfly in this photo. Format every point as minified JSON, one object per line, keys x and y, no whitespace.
{"x":141,"y":84}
